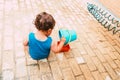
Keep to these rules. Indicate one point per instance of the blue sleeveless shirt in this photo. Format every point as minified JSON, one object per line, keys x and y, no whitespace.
{"x":39,"y":49}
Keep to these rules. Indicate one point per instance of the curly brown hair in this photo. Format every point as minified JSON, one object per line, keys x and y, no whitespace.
{"x":44,"y":21}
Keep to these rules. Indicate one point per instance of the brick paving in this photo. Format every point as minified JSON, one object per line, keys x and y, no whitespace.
{"x":95,"y":55}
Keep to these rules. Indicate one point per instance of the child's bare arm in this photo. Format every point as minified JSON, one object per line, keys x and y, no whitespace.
{"x":57,"y":47}
{"x":25,"y":42}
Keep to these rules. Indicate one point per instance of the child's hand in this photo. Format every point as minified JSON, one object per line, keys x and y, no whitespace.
{"x":63,"y":39}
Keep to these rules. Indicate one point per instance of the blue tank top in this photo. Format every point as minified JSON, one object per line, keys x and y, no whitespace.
{"x":39,"y":49}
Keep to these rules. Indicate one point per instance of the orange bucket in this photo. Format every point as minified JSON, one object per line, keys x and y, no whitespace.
{"x":65,"y":48}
